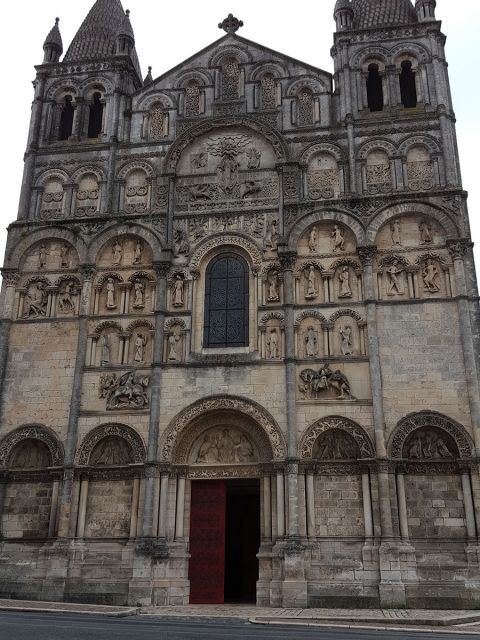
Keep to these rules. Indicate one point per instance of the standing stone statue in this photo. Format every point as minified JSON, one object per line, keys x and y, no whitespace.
{"x":394,"y":284}
{"x":346,"y":340}
{"x":311,"y":343}
{"x":313,"y":240}
{"x":140,"y":345}
{"x":430,"y":274}
{"x":139,"y":295}
{"x":105,"y":360}
{"x":111,"y":304}
{"x":272,"y":344}
{"x":426,"y":235}
{"x":178,"y":291}
{"x":137,"y":254}
{"x":64,"y":256}
{"x":396,"y":233}
{"x":273,"y":282}
{"x":271,"y":234}
{"x":117,"y":253}
{"x":312,"y":291}
{"x":344,"y":279}
{"x":173,"y":343}
{"x":338,"y":239}
{"x":42,"y":257}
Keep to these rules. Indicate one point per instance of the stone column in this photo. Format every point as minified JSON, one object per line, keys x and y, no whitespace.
{"x":162,"y":521}
{"x":3,"y":488}
{"x":367,"y":504}
{"x":402,"y":506}
{"x":458,"y":249}
{"x":180,"y":508}
{"x":134,"y":512}
{"x":7,"y":312}
{"x":52,"y":523}
{"x":280,"y":505}
{"x":267,"y":507}
{"x":310,"y":488}
{"x":82,"y":507}
{"x":349,"y":121}
{"x":65,"y":506}
{"x":468,"y":504}
{"x":154,"y":419}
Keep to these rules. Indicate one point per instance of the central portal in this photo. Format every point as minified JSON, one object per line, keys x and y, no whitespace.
{"x":224,"y":541}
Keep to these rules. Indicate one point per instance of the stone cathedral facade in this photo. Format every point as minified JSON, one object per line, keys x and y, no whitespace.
{"x":239,"y":325}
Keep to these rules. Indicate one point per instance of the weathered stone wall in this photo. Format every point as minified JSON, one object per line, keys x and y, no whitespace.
{"x":338,"y":506}
{"x":26,"y":512}
{"x":109,"y":509}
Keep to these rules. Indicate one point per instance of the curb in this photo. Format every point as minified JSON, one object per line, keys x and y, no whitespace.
{"x":329,"y":625}
{"x":111,"y":614}
{"x":418,"y":622}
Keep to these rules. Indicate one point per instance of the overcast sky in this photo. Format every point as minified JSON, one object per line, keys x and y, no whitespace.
{"x":167,"y":33}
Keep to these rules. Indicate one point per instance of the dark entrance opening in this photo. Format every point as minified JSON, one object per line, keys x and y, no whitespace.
{"x":242,"y":540}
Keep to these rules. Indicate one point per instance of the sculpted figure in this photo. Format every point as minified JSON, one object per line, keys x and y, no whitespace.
{"x":173,"y":343}
{"x":137,"y":255}
{"x":35,"y":303}
{"x":111,"y":304}
{"x":117,"y":253}
{"x":182,"y":246}
{"x":311,"y":342}
{"x":312,"y":291}
{"x":344,"y":279}
{"x":64,"y":253}
{"x":110,"y":451}
{"x":65,"y":301}
{"x":338,"y":239}
{"x":426,"y":235}
{"x":430,"y":275}
{"x":177,"y":291}
{"x":243,"y":450}
{"x":271,"y":234}
{"x":129,"y":391}
{"x":272,"y":344}
{"x":139,"y":295}
{"x":346,"y":340}
{"x":253,"y":158}
{"x":140,"y":345}
{"x":273,"y":283}
{"x":105,"y":359}
{"x":206,"y":451}
{"x":315,"y":383}
{"x":42,"y":257}
{"x":396,"y":233}
{"x":313,"y":240}
{"x":394,"y":284}
{"x":428,"y":445}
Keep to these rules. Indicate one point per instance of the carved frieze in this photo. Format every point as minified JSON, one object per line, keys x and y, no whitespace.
{"x":325,"y":384}
{"x":128,"y":391}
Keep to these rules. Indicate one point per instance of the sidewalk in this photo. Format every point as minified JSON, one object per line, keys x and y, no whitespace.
{"x":67,"y":607}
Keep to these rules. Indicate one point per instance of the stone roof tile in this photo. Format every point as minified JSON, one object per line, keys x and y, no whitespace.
{"x":382,"y":13}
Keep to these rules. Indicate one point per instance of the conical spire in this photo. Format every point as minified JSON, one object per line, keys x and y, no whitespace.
{"x":126,"y":26}
{"x":148,"y":77}
{"x":53,"y":45}
{"x":97,"y":36}
{"x":382,"y":13}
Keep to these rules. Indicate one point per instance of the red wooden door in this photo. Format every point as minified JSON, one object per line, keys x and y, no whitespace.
{"x":207,"y":542}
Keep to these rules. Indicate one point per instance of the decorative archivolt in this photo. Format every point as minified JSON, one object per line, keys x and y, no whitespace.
{"x":125,"y":432}
{"x":432,"y":145}
{"x":140,"y":324}
{"x":309,"y":314}
{"x":274,"y":315}
{"x":314,"y":431}
{"x":173,"y":445}
{"x":62,"y":88}
{"x":370,"y":54}
{"x":269,"y":267}
{"x":347,"y":312}
{"x":203,"y":78}
{"x":275,"y":68}
{"x":88,"y":170}
{"x":387,"y":260}
{"x":67,"y":278}
{"x":175,"y":322}
{"x":128,"y":167}
{"x":105,"y":276}
{"x":410,"y":50}
{"x":329,"y":216}
{"x":377,"y":145}
{"x":96,"y":84}
{"x":238,"y":52}
{"x":316,"y":149}
{"x":425,"y":419}
{"x":52,"y":174}
{"x":430,"y":256}
{"x":142,"y":274}
{"x":31,"y":432}
{"x":163,"y":98}
{"x":419,"y":209}
{"x":306,"y":264}
{"x":346,"y":262}
{"x":136,"y":230}
{"x":307,"y":82}
{"x":182,"y":142}
{"x":35,"y":279}
{"x":225,"y":242}
{"x":105,"y":326}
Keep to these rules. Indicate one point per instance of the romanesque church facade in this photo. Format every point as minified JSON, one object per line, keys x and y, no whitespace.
{"x":239,"y":325}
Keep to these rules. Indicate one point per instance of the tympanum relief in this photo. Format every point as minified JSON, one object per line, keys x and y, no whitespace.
{"x":125,"y":251}
{"x":429,"y":444}
{"x":336,"y":445}
{"x":224,"y":446}
{"x":50,"y":256}
{"x":30,"y":454}
{"x":111,"y":451}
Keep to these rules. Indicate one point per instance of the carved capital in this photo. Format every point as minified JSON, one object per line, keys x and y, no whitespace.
{"x":88,"y":272}
{"x":458,"y":248}
{"x":367,"y":254}
{"x":287,"y":260}
{"x":155,"y":548}
{"x":10,"y":277}
{"x":162,"y":269}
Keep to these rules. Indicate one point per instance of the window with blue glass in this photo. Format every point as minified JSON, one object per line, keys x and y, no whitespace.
{"x":226,"y":303}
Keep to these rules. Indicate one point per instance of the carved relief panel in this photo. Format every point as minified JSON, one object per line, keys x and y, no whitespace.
{"x":87,"y":196}
{"x":410,"y":232}
{"x":50,"y":255}
{"x":311,"y":336}
{"x":52,"y":200}
{"x":323,"y":177}
{"x":223,"y":445}
{"x":272,"y":336}
{"x":125,"y":251}
{"x":327,"y":239}
{"x":137,"y":192}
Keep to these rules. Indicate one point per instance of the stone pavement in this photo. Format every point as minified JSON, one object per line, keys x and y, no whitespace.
{"x":66,"y":607}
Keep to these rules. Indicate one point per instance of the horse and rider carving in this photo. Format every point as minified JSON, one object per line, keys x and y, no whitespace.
{"x":317,"y":384}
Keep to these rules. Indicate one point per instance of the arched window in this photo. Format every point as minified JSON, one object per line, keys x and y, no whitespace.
{"x":231,"y":80}
{"x":374,"y":89}
{"x":305,"y":107}
{"x":158,"y":120}
{"x":408,"y":89}
{"x":66,"y":119}
{"x":226,"y":303}
{"x":95,"y":121}
{"x":268,"y":92}
{"x":192,"y":99}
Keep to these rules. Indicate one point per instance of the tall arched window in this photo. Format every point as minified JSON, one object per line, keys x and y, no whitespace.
{"x":374,"y":89}
{"x":408,"y":89}
{"x":226,"y":303}
{"x":66,"y":119}
{"x":192,"y":99}
{"x":95,"y":121}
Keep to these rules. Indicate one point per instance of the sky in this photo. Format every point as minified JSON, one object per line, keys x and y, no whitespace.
{"x":168,"y":33}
